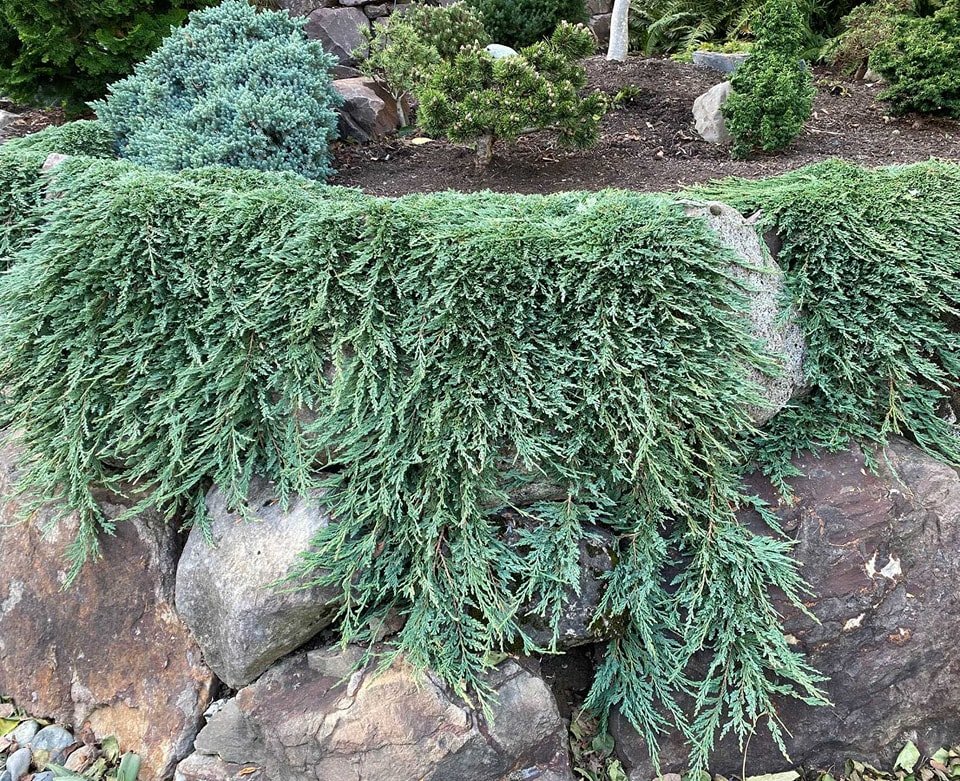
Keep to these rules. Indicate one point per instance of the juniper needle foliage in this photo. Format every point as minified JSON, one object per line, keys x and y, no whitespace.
{"x":873,"y":261}
{"x":442,"y":356}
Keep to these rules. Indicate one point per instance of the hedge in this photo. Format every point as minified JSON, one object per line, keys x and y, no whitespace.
{"x":436,"y":353}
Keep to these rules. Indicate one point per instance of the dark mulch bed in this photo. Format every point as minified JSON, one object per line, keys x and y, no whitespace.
{"x":647,"y":145}
{"x":651,"y":144}
{"x":29,"y":120}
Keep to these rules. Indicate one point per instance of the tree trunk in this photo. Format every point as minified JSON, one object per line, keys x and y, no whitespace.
{"x":619,"y":31}
{"x":484,"y":152}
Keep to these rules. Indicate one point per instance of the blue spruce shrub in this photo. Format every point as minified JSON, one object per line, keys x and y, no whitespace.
{"x":235,"y":87}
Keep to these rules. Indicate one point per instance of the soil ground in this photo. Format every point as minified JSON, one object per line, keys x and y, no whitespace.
{"x":651,"y":144}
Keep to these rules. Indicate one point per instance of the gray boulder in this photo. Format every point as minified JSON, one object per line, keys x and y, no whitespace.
{"x":724,"y":62}
{"x":777,"y":330}
{"x":340,"y":30}
{"x":708,"y":114}
{"x":7,"y":118}
{"x":225,"y":593}
{"x":302,"y":720}
{"x":880,"y":553}
{"x":498,"y":51}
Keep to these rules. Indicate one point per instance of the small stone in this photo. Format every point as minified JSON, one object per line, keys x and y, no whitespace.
{"x":54,"y":740}
{"x":708,"y":114}
{"x":46,"y":775}
{"x":18,"y":763}
{"x":498,"y":51}
{"x":53,"y":161}
{"x":81,"y":759}
{"x":7,"y":118}
{"x":25,"y":732}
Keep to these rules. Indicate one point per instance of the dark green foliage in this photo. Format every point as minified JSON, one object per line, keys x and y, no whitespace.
{"x":69,"y":50}
{"x":477,"y":97}
{"x":866,"y":27}
{"x":773,"y":90}
{"x":921,"y":60}
{"x":658,"y":26}
{"x":519,"y":23}
{"x":168,"y":330}
{"x":873,"y":260}
{"x":234,"y":87}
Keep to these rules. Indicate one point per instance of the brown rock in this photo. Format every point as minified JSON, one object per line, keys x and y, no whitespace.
{"x":881,"y":554}
{"x":297,"y":721}
{"x":600,"y":24}
{"x":368,"y":110}
{"x":109,"y":654}
{"x":340,"y":30}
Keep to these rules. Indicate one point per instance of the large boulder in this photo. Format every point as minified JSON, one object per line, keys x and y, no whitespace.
{"x":108,"y":655}
{"x":340,"y":30}
{"x":368,"y":112}
{"x":227,"y":588}
{"x":880,"y":553}
{"x":777,"y":329}
{"x":303,"y":720}
{"x":708,"y":114}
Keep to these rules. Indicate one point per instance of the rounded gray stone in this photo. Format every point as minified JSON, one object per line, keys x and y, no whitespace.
{"x":25,"y":732}
{"x":18,"y":763}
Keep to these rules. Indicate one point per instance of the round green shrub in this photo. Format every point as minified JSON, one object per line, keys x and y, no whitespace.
{"x":477,"y":98}
{"x":519,"y":23}
{"x":773,"y":90}
{"x":234,"y":87}
{"x":69,"y":50}
{"x":921,"y":61}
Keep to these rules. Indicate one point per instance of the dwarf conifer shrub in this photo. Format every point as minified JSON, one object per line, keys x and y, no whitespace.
{"x":519,"y":23}
{"x":921,"y":61}
{"x":773,"y":90}
{"x":482,"y":100}
{"x":447,"y":28}
{"x":235,"y":87}
{"x":69,"y":50}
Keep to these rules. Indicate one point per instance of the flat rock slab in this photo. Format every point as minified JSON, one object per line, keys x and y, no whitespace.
{"x":881,"y":554}
{"x":110,"y":652}
{"x":302,"y":720}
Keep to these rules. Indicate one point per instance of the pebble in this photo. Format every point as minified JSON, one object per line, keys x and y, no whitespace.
{"x":81,"y":759}
{"x":18,"y":763}
{"x":46,"y":775}
{"x":53,"y":739}
{"x":25,"y":732}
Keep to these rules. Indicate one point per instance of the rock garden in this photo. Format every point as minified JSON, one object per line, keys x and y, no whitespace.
{"x":487,"y":390}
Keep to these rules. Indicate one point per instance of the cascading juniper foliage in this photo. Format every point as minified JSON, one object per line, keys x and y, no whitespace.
{"x":234,"y":86}
{"x":442,"y":356}
{"x":873,"y":262}
{"x":171,"y":330}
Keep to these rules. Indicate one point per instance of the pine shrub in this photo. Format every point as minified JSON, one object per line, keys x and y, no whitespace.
{"x":483,"y":100}
{"x":773,"y":90}
{"x":519,"y":23}
{"x":69,"y":50}
{"x":921,"y":62}
{"x":403,"y":53}
{"x":235,"y":87}
{"x":447,"y":28}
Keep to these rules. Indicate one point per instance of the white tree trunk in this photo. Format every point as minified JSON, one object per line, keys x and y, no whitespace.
{"x":619,"y":31}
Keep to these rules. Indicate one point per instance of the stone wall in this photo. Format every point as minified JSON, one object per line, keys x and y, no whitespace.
{"x":193,"y":661}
